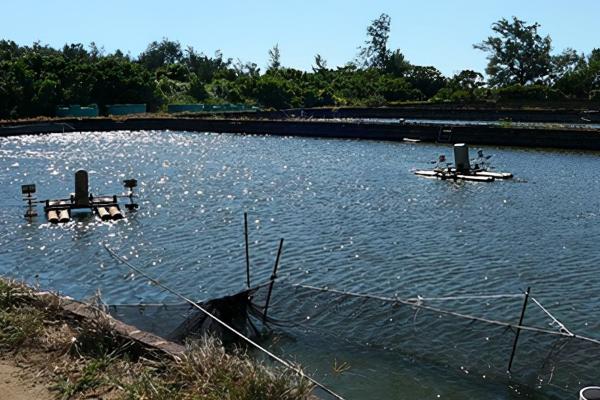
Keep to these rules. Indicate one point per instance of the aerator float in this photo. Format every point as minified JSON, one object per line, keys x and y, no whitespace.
{"x":61,"y":210}
{"x":479,"y":172}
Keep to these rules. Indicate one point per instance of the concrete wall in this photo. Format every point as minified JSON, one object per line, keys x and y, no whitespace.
{"x":444,"y":113}
{"x":564,"y":138}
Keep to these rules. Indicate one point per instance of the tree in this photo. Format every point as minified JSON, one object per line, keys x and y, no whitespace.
{"x":205,"y":67}
{"x":159,"y":54}
{"x":274,"y":91}
{"x":75,"y":51}
{"x":320,"y":64}
{"x":463,"y":86}
{"x":274,"y":58}
{"x":246,"y":69}
{"x":564,"y":63}
{"x":584,"y":80}
{"x":119,"y":80}
{"x":429,"y":80}
{"x":95,"y":51}
{"x":197,"y":89}
{"x":397,"y":64}
{"x":47,"y":96}
{"x":397,"y":89}
{"x":375,"y":53}
{"x":518,"y":55}
{"x":466,"y":80}
{"x":9,"y":50}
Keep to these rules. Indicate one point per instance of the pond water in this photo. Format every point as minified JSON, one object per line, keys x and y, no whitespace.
{"x":353,"y":215}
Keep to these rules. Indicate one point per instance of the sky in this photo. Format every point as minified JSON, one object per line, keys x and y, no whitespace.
{"x":429,"y":32}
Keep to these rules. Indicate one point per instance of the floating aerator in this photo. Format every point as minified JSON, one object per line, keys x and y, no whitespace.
{"x":59,"y":210}
{"x":463,"y":169}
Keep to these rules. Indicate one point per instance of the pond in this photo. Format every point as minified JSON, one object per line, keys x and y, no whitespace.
{"x":353,"y":215}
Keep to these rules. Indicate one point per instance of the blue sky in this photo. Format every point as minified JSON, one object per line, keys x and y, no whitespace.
{"x":429,"y":32}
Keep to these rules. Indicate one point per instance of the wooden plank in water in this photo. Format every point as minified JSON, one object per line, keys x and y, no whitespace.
{"x":105,"y":199}
{"x":451,"y":176}
{"x":427,"y":173}
{"x":475,"y":178}
{"x":497,"y":175}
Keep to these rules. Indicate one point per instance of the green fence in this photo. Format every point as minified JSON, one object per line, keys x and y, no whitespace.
{"x":75,"y":110}
{"x":177,"y":108}
{"x":125,"y":109}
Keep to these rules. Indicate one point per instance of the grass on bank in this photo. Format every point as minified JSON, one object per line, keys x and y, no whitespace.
{"x":81,"y":358}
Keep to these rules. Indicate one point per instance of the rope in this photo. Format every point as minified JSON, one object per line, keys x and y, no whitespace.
{"x":232,"y":330}
{"x":455,"y":314}
{"x":466,"y":297}
{"x":144,"y":305}
{"x":253,"y":288}
{"x":561,"y":326}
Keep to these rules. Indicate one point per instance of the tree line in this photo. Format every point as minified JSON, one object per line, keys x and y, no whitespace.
{"x":35,"y":79}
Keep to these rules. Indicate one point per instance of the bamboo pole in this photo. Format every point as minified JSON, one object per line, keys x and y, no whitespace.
{"x":514,"y":348}
{"x":273,"y":277}
{"x":247,"y":249}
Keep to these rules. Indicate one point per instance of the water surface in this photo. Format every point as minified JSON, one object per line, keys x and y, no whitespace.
{"x":353,"y":216}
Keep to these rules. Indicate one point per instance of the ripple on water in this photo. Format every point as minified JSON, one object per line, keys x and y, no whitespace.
{"x":353,"y":216}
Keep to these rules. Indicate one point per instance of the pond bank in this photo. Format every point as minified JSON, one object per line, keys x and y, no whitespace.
{"x":18,"y":383}
{"x":551,"y":136}
{"x":586,"y":113}
{"x":52,"y":346}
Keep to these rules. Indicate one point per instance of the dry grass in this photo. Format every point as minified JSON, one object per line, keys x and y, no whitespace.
{"x":86,"y":359}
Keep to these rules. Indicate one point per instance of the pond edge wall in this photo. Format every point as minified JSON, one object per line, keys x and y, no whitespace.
{"x":553,"y":137}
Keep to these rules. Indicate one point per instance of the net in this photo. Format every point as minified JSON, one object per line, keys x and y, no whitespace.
{"x":545,"y":360}
{"x":178,"y":322}
{"x":455,"y":333}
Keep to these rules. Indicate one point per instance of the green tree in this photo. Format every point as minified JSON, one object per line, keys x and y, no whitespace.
{"x":274,"y":91}
{"x":320,"y":64}
{"x":274,"y":59}
{"x":466,"y":80}
{"x":119,"y":80}
{"x":397,"y":64}
{"x":47,"y":97}
{"x":397,"y":89}
{"x":428,"y":80}
{"x":95,"y":51}
{"x":246,"y":69}
{"x":9,"y":50}
{"x":197,"y":88}
{"x":375,"y":54}
{"x":463,"y":86}
{"x":159,"y":54}
{"x":207,"y":68}
{"x":583,"y":81}
{"x":225,"y":91}
{"x":16,"y":84}
{"x":564,"y":63}
{"x":518,"y":54}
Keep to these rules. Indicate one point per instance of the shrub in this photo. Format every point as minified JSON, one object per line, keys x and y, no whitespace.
{"x":528,"y":92}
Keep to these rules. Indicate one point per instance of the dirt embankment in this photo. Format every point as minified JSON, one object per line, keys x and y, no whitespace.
{"x":53,"y":347}
{"x":21,"y":383}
